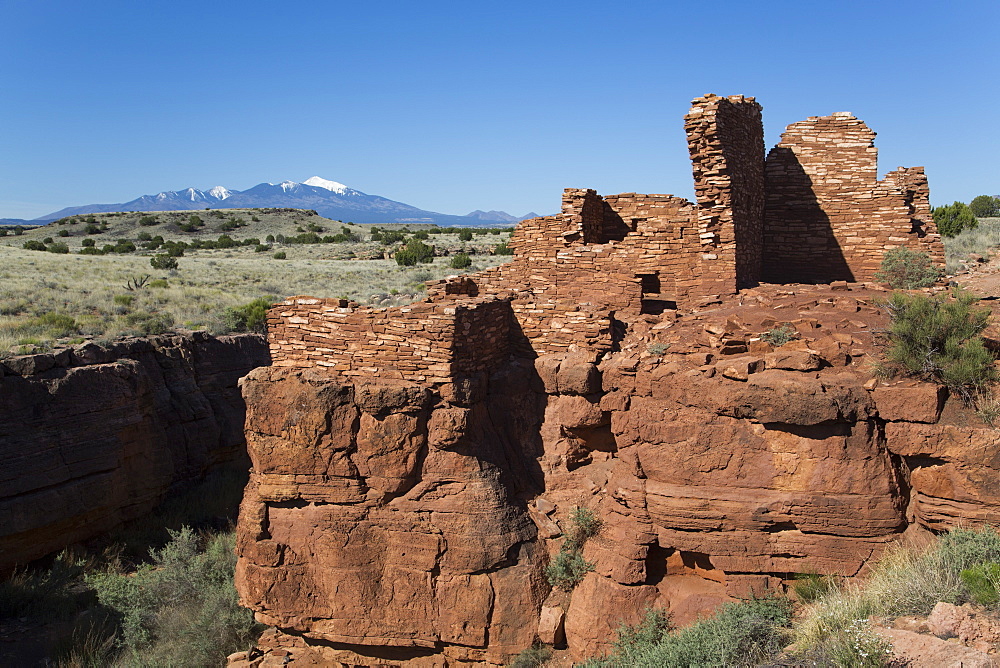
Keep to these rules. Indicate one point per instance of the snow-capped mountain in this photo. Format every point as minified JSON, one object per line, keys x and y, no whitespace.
{"x":328,"y":198}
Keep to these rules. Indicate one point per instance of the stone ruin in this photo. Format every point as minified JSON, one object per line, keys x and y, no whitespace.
{"x":813,"y":211}
{"x":414,"y":468}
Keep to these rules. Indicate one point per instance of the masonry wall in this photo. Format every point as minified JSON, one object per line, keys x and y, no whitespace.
{"x":426,"y":342}
{"x":565,"y":292}
{"x":726,"y":143}
{"x":827,"y":217}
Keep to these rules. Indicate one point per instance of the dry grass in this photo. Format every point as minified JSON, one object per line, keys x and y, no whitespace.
{"x":907,"y":580}
{"x":978,"y":241}
{"x":85,"y":288}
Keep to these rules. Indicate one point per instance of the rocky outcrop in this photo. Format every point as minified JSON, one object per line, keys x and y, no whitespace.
{"x":416,"y":469}
{"x":95,"y":436}
{"x":413,"y":521}
{"x":384,"y":517}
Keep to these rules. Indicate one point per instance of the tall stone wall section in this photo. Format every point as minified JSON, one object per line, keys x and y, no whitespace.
{"x":827,"y":216}
{"x":423,"y":342}
{"x":726,"y":143}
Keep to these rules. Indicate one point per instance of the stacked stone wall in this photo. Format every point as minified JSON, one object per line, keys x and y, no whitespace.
{"x":813,"y":212}
{"x":827,"y":216}
{"x":425,"y":342}
{"x":726,"y":143}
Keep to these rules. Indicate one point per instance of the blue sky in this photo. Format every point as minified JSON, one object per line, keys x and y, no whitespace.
{"x":453,"y":106}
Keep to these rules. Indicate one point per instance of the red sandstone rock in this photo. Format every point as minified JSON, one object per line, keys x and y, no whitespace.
{"x":910,"y":403}
{"x":924,"y":651}
{"x":85,"y":448}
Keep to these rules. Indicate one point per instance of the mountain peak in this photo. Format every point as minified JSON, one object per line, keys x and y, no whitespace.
{"x":332,"y":186}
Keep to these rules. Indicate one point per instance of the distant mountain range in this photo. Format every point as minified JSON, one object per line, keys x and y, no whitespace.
{"x":328,"y":198}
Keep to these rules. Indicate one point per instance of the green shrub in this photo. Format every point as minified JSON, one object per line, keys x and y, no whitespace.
{"x":92,"y":229}
{"x":163,"y":261}
{"x":465,"y":235}
{"x":953,"y":218}
{"x":58,"y":247}
{"x":33,"y":244}
{"x":658,"y":348}
{"x":159,"y":283}
{"x":982,"y":582}
{"x":124,"y":300}
{"x":251,"y":317}
{"x":904,"y":269}
{"x":739,"y":634}
{"x":388,"y":237}
{"x":460,"y":261}
{"x":503,"y":248}
{"x":905,"y":581}
{"x":569,"y":567}
{"x":47,"y":240}
{"x":780,"y":335}
{"x":280,"y":255}
{"x":857,"y":646}
{"x":413,"y":252}
{"x":63,"y":233}
{"x":88,"y":242}
{"x":182,"y":609}
{"x":147,"y":221}
{"x":938,"y":339}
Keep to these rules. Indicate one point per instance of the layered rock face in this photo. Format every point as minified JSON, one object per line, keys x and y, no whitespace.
{"x":410,"y":523}
{"x":391,"y":518}
{"x":95,"y":436}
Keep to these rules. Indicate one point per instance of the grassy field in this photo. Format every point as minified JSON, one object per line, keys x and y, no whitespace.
{"x":980,"y":240}
{"x":49,"y":298}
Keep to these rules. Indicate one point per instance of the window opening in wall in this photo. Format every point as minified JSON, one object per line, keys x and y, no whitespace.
{"x":652,"y":301}
{"x":635,"y":223}
{"x":650,"y":283}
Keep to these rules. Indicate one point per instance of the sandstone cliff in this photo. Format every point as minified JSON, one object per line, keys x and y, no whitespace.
{"x":412,"y":522}
{"x":95,"y":436}
{"x":415,"y":470}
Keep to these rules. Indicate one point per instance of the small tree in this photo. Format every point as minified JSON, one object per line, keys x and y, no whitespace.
{"x":465,"y":235}
{"x":413,"y":252}
{"x":251,"y":317}
{"x":163,"y":261}
{"x":460,"y":261}
{"x":939,"y":339}
{"x":985,"y":206}
{"x":952,"y":219}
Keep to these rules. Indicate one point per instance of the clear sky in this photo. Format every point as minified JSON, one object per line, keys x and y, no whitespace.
{"x":455,"y":106}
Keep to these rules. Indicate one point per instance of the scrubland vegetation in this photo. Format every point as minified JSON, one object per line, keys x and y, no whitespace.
{"x":158,"y":592}
{"x":831,"y":621}
{"x":145,"y":284}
